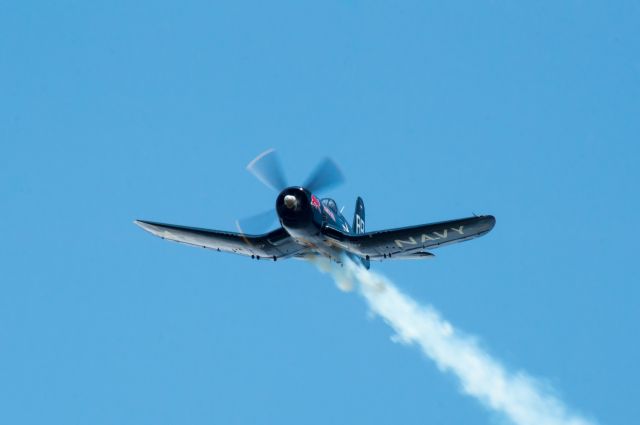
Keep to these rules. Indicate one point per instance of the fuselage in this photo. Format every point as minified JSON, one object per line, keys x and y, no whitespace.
{"x":304,"y":216}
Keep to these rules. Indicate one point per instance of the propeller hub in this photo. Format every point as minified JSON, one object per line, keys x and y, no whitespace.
{"x":290,"y":201}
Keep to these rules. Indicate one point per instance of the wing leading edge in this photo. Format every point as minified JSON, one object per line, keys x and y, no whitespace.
{"x":272,"y":245}
{"x":411,"y":241}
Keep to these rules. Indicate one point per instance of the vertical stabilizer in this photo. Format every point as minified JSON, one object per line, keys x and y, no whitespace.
{"x":358,"y":217}
{"x":358,"y":225}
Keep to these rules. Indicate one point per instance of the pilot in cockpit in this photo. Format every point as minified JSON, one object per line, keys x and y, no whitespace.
{"x":330,"y":203}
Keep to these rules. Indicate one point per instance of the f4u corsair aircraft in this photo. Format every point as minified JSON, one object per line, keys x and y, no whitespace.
{"x":310,"y":226}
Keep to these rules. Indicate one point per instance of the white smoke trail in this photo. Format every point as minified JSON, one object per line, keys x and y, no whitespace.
{"x":517,"y":396}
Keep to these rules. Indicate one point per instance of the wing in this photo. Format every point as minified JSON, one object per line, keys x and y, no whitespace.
{"x":410,"y":242}
{"x":272,"y":245}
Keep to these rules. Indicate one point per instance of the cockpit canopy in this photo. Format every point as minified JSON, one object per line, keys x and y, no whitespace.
{"x":330,"y":203}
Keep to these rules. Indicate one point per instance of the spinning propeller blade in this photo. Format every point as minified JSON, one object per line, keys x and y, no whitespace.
{"x":257,"y":224}
{"x":266,"y":167}
{"x":326,"y":175}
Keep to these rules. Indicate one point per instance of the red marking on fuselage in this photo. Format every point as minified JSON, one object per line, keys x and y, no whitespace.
{"x":315,"y":202}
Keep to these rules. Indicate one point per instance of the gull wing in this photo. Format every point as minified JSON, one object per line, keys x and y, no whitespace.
{"x":410,"y":241}
{"x":273,"y":245}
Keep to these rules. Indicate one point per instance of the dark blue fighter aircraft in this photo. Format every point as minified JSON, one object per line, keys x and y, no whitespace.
{"x":310,"y":226}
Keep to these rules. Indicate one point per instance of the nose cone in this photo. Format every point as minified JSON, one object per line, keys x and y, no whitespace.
{"x":290,"y":201}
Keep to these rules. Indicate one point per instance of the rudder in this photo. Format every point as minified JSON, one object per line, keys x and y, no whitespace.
{"x":358,"y":226}
{"x":358,"y":217}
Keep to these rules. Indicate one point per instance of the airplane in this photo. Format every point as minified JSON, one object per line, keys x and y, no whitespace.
{"x":311,"y":226}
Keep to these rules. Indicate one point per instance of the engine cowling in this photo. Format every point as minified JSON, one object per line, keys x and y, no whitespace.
{"x":294,"y":207}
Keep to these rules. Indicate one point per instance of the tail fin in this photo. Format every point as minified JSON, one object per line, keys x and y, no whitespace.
{"x":358,"y":217}
{"x":358,"y":227}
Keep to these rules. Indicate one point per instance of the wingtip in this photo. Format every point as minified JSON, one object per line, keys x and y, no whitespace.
{"x":492,"y":219}
{"x":144,"y":225}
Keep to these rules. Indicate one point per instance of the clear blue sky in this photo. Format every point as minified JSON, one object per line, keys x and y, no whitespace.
{"x":112,"y":111}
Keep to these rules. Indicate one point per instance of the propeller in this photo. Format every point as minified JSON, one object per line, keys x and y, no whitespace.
{"x":325,"y":176}
{"x":257,"y":223}
{"x":267,"y":168}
